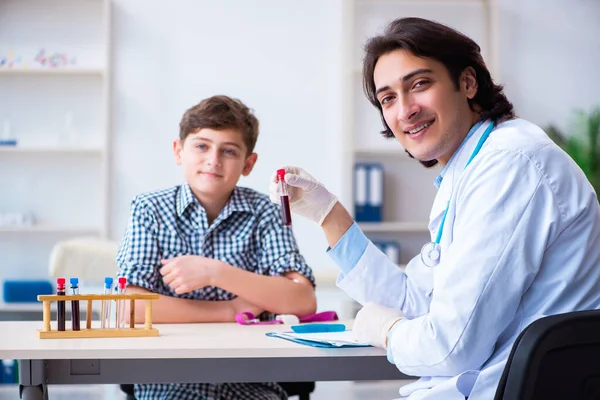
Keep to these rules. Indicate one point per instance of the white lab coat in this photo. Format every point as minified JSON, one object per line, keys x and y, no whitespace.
{"x":521,"y":241}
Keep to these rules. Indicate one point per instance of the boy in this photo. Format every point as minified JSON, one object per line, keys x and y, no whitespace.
{"x":211,"y":249}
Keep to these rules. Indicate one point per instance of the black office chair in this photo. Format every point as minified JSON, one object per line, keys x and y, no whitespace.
{"x":556,"y":357}
{"x":300,"y":389}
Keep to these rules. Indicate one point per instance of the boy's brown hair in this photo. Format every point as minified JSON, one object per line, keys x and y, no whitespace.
{"x":221,"y":112}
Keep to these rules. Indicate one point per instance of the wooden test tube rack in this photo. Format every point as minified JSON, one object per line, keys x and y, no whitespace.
{"x":89,"y":332}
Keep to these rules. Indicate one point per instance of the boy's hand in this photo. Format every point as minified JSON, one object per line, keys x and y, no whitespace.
{"x":185,"y":274}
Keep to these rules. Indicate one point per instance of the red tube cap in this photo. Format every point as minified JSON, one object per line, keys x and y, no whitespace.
{"x":281,"y":174}
{"x":60,"y":283}
{"x":122,"y":282}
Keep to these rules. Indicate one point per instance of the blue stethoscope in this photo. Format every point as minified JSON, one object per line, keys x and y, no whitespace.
{"x":431,"y":252}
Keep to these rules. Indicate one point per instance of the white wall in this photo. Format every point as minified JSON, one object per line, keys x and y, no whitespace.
{"x":550,"y":57}
{"x":281,"y":58}
{"x":284,"y":59}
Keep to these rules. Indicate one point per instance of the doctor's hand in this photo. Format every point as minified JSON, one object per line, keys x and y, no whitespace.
{"x":373,"y":322}
{"x":308,"y":197}
{"x":187,"y":273}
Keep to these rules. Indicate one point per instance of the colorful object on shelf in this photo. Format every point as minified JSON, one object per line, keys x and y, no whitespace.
{"x":7,"y":139}
{"x":16,"y":219}
{"x":41,"y":59}
{"x":25,"y":291}
{"x":53,"y":60}
{"x":368,"y":192}
{"x":10,"y":61}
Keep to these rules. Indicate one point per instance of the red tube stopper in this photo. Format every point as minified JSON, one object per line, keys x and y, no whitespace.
{"x":281,"y":174}
{"x":122,"y":282}
{"x":60,"y":283}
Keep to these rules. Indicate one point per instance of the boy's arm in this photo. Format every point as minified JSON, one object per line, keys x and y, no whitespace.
{"x":138,"y":259}
{"x":284,"y":292}
{"x":291,"y":293}
{"x":282,"y":283}
{"x":173,"y":310}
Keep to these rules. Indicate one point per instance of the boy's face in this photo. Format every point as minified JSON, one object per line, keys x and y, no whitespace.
{"x":213,"y":161}
{"x":422,"y":106}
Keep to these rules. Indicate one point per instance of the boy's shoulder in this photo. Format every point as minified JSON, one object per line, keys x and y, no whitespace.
{"x":166,"y":200}
{"x":157,"y":200}
{"x":257,"y":201}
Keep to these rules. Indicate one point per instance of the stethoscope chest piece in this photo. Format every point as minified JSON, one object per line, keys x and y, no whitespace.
{"x":430,"y":254}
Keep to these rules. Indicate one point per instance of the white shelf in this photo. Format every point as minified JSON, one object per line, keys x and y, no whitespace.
{"x":390,"y":152}
{"x":52,"y":71}
{"x":391,"y":227}
{"x":411,"y":2}
{"x":48,"y":228}
{"x":58,"y":149}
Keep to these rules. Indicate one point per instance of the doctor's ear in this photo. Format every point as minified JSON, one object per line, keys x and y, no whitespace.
{"x":468,"y":82}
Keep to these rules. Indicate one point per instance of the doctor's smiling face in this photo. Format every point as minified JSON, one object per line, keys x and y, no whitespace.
{"x":423,"y":107}
{"x":430,"y":85}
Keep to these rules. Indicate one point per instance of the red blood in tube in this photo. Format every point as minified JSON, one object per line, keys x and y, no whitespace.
{"x":286,"y":214}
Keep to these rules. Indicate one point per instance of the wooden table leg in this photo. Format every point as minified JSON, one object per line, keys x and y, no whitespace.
{"x":46,"y":316}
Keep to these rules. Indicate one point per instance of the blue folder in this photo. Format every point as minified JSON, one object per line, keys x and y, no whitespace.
{"x":310,"y":340}
{"x":368,"y":192}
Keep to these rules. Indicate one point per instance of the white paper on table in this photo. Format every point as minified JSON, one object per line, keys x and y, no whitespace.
{"x":336,"y":339}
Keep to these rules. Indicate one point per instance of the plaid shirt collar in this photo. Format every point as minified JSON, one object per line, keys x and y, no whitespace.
{"x":237,"y":202}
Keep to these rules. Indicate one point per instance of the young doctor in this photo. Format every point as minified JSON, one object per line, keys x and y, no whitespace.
{"x":515,"y":225}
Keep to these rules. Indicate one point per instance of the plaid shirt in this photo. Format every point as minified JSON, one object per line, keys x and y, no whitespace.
{"x":248,"y":233}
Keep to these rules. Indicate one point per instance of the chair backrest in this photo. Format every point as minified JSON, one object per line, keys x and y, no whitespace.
{"x":555,"y":357}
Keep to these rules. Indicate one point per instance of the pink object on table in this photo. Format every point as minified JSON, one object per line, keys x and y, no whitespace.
{"x":247,"y":318}
{"x":321,"y":317}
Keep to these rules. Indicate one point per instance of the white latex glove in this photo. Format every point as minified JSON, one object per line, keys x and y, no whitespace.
{"x":373,"y":322}
{"x":308,"y":197}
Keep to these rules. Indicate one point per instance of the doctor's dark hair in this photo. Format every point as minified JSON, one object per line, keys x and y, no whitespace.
{"x":221,"y":112}
{"x":430,"y":39}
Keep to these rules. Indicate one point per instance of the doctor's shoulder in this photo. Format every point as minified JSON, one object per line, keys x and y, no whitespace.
{"x":526,"y":147}
{"x":519,"y":135}
{"x":519,"y":138}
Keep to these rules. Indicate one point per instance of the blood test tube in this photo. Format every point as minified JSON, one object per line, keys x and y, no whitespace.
{"x":74,"y":304}
{"x":286,"y":214}
{"x":122,"y":281}
{"x":61,"y":314}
